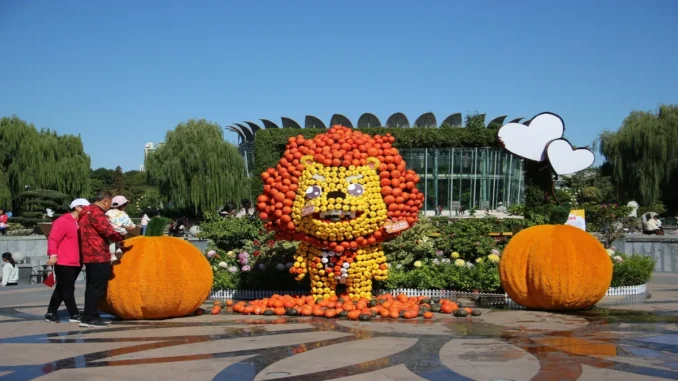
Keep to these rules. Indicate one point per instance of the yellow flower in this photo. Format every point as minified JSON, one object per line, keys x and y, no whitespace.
{"x":479,"y":260}
{"x":494,"y":258}
{"x":417,"y":264}
{"x":459,"y":263}
{"x":455,"y":255}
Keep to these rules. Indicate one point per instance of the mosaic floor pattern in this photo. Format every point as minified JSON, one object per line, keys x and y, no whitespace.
{"x":500,"y":345}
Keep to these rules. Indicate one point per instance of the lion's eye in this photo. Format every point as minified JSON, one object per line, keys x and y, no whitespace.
{"x":355,"y":190}
{"x":313,"y":192}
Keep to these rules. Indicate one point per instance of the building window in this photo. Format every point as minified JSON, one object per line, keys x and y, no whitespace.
{"x":469,"y":177}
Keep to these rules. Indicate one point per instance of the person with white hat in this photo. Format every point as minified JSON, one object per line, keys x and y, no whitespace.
{"x":63,"y":249}
{"x":120,"y":222}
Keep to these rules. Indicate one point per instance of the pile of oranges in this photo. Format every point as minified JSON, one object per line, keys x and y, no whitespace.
{"x":383,"y":306}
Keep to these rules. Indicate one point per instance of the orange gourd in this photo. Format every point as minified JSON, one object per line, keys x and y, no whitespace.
{"x":158,"y":278}
{"x":555,"y":267}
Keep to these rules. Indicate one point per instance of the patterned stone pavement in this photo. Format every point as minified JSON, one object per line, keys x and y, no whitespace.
{"x":636,"y":342}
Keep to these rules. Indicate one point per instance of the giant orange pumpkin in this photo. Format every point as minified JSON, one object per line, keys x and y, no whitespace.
{"x":158,"y":278}
{"x":555,"y":267}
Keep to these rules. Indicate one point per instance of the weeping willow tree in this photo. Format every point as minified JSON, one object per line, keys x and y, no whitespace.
{"x":197,"y":169}
{"x":40,"y":159}
{"x":642,"y":156}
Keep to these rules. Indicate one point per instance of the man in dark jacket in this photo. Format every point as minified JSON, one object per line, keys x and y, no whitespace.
{"x":95,"y":231}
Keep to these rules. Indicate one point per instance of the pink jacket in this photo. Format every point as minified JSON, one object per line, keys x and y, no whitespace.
{"x":64,"y":241}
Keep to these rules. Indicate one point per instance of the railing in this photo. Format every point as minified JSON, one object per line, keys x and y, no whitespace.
{"x":488,"y":298}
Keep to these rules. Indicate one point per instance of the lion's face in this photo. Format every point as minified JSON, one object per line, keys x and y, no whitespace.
{"x":346,"y":202}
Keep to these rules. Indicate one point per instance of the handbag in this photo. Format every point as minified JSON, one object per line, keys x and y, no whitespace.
{"x":50,"y":281}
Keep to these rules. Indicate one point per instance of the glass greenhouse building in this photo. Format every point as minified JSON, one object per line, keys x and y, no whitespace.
{"x":477,"y":178}
{"x":452,"y":178}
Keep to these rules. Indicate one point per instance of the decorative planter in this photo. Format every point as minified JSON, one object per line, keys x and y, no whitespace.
{"x":488,"y":298}
{"x":45,"y":228}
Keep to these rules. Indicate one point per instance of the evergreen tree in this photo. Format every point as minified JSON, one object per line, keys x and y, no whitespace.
{"x":196,"y":169}
{"x":119,"y":186}
{"x":33,"y":205}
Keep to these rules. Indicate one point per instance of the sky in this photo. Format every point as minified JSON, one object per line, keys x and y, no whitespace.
{"x":121,"y":74}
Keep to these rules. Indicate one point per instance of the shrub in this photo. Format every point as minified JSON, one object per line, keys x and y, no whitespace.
{"x":156,"y":226}
{"x":33,"y":205}
{"x":598,"y":217}
{"x":658,"y":208}
{"x":412,"y":245}
{"x":230,"y":233}
{"x":468,"y":237}
{"x":631,"y":270}
{"x":440,"y":275}
{"x":516,"y":209}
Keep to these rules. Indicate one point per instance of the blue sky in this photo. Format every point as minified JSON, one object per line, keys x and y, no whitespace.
{"x":129,"y":71}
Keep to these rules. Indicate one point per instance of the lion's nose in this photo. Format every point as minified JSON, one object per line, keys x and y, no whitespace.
{"x":336,"y":194}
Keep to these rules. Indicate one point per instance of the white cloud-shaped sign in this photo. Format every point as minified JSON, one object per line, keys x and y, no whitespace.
{"x":530,"y":142}
{"x":566,"y":160}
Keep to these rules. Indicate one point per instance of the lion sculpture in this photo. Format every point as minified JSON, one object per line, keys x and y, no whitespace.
{"x":341,"y":194}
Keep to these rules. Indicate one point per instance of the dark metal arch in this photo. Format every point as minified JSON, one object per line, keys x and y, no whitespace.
{"x":313,"y":122}
{"x":289,"y":123}
{"x":237,"y":131}
{"x":253,"y":127}
{"x":248,"y":134}
{"x":269,"y":124}
{"x":453,"y":120}
{"x":516,"y":120}
{"x":498,"y":121}
{"x":426,"y":120}
{"x":368,"y":120}
{"x":398,"y":120}
{"x":338,"y":119}
{"x":527,"y":123}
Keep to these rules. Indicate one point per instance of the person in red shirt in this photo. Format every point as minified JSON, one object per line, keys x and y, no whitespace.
{"x":63,"y":248}
{"x":3,"y":222}
{"x":95,"y":231}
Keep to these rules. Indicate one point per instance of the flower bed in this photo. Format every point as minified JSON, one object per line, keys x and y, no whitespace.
{"x":249,"y":263}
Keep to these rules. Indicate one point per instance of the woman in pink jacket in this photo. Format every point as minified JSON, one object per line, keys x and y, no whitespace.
{"x":63,"y":248}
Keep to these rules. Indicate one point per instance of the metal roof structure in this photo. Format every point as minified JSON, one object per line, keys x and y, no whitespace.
{"x":247,"y":131}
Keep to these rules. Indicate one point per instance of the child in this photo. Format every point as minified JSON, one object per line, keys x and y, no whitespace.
{"x":120,"y":222}
{"x":10,"y":274}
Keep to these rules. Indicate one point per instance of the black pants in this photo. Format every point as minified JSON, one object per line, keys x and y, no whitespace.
{"x":97,"y":283}
{"x":63,"y":291}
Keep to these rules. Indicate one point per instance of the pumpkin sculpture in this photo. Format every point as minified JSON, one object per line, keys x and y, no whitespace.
{"x":341,"y":194}
{"x":555,"y":267}
{"x":158,"y":278}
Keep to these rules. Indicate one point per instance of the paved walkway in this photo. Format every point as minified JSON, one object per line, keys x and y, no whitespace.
{"x":637,"y":342}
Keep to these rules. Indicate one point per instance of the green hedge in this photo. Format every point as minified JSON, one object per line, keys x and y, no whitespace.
{"x":269,"y":144}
